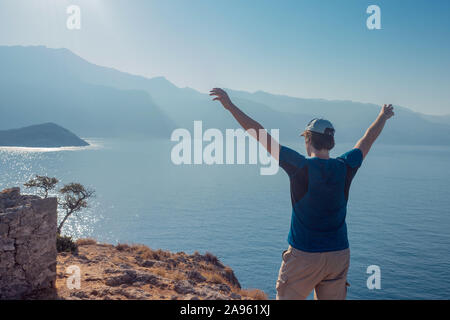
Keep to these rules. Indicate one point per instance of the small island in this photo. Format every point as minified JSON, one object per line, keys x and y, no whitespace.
{"x":47,"y":135}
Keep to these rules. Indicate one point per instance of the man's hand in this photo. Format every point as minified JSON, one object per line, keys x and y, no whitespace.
{"x":387,"y":111}
{"x":221,"y":96}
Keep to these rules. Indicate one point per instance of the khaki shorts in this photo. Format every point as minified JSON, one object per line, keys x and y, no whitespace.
{"x":324,"y":272}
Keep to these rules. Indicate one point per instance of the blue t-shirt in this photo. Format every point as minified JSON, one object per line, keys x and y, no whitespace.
{"x":319,"y":195}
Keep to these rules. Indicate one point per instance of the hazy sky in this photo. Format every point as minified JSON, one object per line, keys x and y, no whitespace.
{"x":311,"y":49}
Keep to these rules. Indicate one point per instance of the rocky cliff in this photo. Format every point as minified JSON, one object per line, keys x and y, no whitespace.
{"x":27,"y":245}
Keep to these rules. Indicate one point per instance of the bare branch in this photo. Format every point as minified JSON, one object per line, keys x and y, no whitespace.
{"x":43,"y":183}
{"x":75,"y":199}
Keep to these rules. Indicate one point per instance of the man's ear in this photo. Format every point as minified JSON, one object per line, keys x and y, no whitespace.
{"x":307,"y":148}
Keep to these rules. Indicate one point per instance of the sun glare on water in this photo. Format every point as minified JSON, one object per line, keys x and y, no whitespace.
{"x":93,"y":145}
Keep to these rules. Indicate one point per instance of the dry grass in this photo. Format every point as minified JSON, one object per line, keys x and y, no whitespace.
{"x":160,"y":272}
{"x":255,"y":294}
{"x":213,"y":277}
{"x":160,"y":254}
{"x":179,"y":276}
{"x":169,"y":266}
{"x":105,"y":245}
{"x":209,"y":257}
{"x":228,"y":271}
{"x":123,"y":247}
{"x":143,"y":251}
{"x":146,"y":253}
{"x":85,"y":242}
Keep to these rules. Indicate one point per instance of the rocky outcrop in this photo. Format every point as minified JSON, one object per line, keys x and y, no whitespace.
{"x":137,"y":272}
{"x":27,"y":245}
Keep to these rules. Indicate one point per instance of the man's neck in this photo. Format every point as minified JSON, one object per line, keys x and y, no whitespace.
{"x":322,"y":154}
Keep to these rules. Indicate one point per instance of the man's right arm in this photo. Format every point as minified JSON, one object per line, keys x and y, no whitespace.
{"x":366,"y":142}
{"x":256,"y":130}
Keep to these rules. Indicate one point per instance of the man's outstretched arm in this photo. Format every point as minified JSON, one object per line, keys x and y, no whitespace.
{"x":365,"y":143}
{"x":251,"y":126}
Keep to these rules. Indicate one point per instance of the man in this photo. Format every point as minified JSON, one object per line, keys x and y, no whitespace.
{"x":318,"y":256}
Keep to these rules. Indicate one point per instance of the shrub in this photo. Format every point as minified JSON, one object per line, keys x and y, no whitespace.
{"x":66,"y":244}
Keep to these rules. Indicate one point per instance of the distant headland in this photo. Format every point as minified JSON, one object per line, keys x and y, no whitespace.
{"x":46,"y":135}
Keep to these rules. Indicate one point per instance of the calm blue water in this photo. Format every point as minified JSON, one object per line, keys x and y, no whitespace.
{"x":398,"y":215}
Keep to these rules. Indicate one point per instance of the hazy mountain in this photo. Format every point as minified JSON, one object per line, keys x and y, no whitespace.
{"x":351,"y":119}
{"x":47,"y":135}
{"x":90,"y":92}
{"x":444,"y":119}
{"x":38,"y":83}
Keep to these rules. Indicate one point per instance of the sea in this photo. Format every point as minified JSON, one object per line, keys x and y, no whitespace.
{"x":398,"y":211}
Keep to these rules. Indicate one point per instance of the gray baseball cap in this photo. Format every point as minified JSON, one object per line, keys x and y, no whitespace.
{"x":320,"y":126}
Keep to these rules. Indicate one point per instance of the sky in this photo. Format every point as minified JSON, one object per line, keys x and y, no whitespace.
{"x":309,"y":49}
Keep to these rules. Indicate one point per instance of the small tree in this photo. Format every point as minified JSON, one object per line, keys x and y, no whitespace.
{"x":75,"y":198}
{"x":43,"y":183}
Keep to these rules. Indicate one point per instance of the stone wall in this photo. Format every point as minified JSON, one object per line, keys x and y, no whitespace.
{"x":27,"y":245}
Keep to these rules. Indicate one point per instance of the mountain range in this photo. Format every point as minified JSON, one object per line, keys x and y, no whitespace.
{"x":39,"y":84}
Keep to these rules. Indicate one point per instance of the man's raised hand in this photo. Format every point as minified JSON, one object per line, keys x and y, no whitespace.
{"x":222,"y":96}
{"x":387,"y":111}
